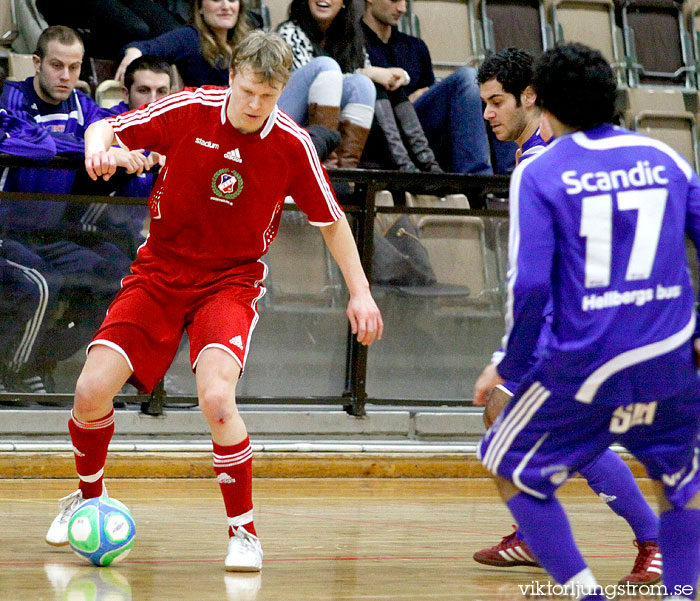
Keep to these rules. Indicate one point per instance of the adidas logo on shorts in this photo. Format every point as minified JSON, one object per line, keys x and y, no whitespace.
{"x":237,"y":341}
{"x":224,"y":478}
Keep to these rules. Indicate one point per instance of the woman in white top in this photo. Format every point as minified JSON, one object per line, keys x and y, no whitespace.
{"x":326,"y":87}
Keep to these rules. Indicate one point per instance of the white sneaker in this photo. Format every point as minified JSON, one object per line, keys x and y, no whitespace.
{"x":57,"y":534}
{"x":244,"y":552}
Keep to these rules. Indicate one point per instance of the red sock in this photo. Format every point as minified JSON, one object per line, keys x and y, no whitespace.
{"x":90,"y":442}
{"x":234,"y":472}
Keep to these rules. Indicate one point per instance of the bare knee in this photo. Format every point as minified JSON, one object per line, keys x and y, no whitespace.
{"x":665,"y":505}
{"x":92,"y":398}
{"x":506,"y":488}
{"x":218,"y":406}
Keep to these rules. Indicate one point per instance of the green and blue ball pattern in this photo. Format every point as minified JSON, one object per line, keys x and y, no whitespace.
{"x":102,"y":531}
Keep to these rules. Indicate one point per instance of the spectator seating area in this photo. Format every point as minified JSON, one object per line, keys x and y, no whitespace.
{"x":653,"y":46}
{"x":21,"y":24}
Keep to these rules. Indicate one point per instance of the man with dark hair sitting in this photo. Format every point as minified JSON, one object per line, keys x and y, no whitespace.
{"x":146,"y":79}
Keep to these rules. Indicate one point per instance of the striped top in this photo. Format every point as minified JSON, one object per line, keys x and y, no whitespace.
{"x":218,"y":200}
{"x":24,"y":139}
{"x":65,"y":123}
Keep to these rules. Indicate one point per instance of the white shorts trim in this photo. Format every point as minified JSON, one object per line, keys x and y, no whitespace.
{"x":219,"y":346}
{"x":519,"y":416}
{"x":114,"y":347}
{"x":502,"y":388}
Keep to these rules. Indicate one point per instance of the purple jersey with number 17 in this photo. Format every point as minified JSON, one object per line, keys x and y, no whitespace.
{"x":605,"y":238}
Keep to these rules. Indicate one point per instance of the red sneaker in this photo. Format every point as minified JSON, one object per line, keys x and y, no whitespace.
{"x":511,"y":551}
{"x":647,"y":566}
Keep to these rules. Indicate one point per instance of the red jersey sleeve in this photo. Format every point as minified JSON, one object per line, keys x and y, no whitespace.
{"x":310,"y":187}
{"x":155,"y":125}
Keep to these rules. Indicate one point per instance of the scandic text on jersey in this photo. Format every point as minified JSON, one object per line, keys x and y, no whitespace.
{"x":642,"y":174}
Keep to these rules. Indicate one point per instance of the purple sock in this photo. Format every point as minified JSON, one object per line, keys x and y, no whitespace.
{"x":612,"y":480}
{"x":679,"y":541}
{"x":543,"y":525}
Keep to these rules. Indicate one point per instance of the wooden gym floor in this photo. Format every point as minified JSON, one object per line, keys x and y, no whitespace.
{"x":338,"y":539}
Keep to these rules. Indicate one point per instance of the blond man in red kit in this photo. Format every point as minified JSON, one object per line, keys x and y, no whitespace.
{"x":232,"y":159}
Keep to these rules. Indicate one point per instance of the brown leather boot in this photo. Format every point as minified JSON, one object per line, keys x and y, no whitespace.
{"x":352,"y":143}
{"x":328,"y":116}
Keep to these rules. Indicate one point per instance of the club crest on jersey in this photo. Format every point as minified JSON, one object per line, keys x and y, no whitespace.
{"x":226,"y":184}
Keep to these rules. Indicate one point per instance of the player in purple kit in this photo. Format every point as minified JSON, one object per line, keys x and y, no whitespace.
{"x":511,"y":110}
{"x":598,"y":224}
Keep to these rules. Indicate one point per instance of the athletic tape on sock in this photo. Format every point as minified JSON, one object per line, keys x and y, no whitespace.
{"x":240,"y":520}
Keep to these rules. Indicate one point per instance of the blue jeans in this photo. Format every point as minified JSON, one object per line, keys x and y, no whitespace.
{"x":294,"y":101}
{"x":358,"y":89}
{"x":451,"y":116}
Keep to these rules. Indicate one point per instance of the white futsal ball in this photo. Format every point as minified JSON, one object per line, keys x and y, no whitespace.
{"x":102,"y":531}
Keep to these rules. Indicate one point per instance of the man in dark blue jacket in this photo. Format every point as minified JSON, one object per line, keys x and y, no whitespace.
{"x":91,"y":267}
{"x":28,"y":286}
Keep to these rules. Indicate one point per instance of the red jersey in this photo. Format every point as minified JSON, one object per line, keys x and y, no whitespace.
{"x":219,"y":198}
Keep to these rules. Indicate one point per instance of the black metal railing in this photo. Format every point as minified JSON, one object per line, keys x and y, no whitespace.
{"x":358,"y":201}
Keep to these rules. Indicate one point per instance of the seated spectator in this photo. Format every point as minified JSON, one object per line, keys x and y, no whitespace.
{"x":325,"y":87}
{"x":146,"y":79}
{"x":91,"y":267}
{"x":200,"y":51}
{"x":449,"y":110}
{"x":108,"y":25}
{"x":28,"y":286}
{"x":397,"y":139}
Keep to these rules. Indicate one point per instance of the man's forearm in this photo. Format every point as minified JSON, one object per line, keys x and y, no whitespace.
{"x":99,"y":137}
{"x":341,"y":244}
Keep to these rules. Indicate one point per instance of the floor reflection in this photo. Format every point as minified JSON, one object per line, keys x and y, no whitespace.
{"x":242,"y":587}
{"x":88,"y":583}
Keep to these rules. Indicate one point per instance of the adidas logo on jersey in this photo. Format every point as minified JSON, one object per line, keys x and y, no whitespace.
{"x":224,"y":478}
{"x":234,"y":155}
{"x":237,"y":341}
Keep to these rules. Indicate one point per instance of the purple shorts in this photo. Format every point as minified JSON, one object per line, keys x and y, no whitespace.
{"x":540,"y":439}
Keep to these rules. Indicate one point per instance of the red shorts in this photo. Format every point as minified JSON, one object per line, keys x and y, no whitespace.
{"x":162,"y":298}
